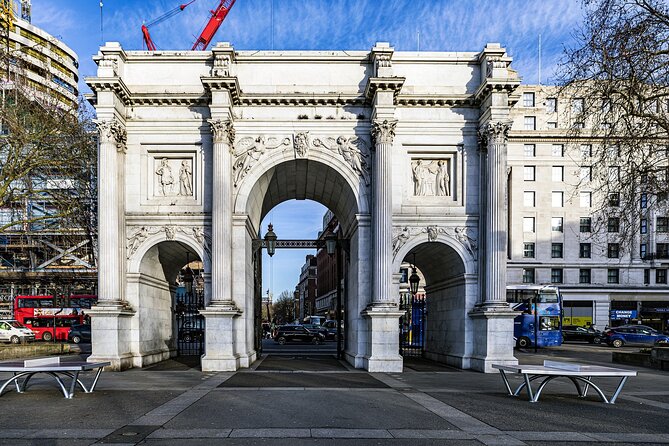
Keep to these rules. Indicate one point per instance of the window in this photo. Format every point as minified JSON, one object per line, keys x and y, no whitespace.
{"x":528,"y":250}
{"x":551,"y":125}
{"x":585,"y":173}
{"x":530,"y":150}
{"x":528,"y":224}
{"x":643,"y":250}
{"x":606,"y":106}
{"x":556,"y":250}
{"x":584,"y":251}
{"x":585,"y":224}
{"x":556,"y":275}
{"x":613,"y":250}
{"x":585,"y":199}
{"x":551,"y":105}
{"x":614,"y":199}
{"x":644,"y":226}
{"x":528,"y":275}
{"x":586,"y":150}
{"x":557,"y":150}
{"x":558,"y":173}
{"x":4,"y":129}
{"x":644,"y":201}
{"x":556,"y":224}
{"x":662,"y":250}
{"x":613,"y":276}
{"x":528,"y":99}
{"x":528,"y":199}
{"x":613,"y":151}
{"x":646,"y":276}
{"x":530,"y":123}
{"x":614,"y":174}
{"x":662,"y":224}
{"x":577,"y":105}
{"x":661,"y":275}
{"x":528,"y":173}
{"x":613,"y":225}
{"x":404,"y":275}
{"x":584,"y":276}
{"x":557,"y":199}
{"x":579,"y":125}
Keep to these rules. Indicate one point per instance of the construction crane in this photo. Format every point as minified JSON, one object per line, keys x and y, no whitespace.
{"x":207,"y":34}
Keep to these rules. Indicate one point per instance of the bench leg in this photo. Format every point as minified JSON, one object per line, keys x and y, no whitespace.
{"x":506,"y":382}
{"x":618,"y":390}
{"x":529,"y":387}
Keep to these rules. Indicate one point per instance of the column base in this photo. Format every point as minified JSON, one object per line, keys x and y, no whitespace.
{"x":110,"y":334}
{"x":383,"y":338}
{"x":493,"y":336}
{"x":219,"y":338}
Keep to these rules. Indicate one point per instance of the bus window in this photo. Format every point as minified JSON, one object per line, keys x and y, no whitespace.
{"x":548,"y":298}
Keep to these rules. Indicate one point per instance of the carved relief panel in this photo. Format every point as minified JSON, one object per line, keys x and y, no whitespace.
{"x":171,"y":177}
{"x":435,"y":175}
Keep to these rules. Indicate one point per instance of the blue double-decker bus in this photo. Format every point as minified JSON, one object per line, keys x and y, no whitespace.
{"x":539,"y":320}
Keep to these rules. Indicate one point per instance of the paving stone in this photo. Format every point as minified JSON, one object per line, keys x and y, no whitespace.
{"x":270,"y":433}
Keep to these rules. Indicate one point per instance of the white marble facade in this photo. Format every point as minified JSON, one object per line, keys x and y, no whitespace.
{"x":407,"y":149}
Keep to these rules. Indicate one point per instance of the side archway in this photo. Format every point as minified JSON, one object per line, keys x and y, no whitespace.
{"x":451,"y":285}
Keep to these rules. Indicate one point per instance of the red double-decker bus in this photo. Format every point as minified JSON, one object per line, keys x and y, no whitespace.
{"x":51,"y":317}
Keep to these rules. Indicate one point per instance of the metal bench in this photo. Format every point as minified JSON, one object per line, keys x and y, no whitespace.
{"x":53,"y":367}
{"x":577,"y":373}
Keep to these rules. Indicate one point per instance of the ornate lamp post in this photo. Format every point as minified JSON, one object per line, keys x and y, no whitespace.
{"x":270,"y":240}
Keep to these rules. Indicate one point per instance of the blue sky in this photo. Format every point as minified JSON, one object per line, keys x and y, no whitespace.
{"x":443,"y":25}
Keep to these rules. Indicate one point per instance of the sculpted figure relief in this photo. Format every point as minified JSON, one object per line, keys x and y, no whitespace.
{"x":165,"y":177}
{"x":352,"y":150}
{"x":301,"y":144}
{"x":431,"y":178}
{"x":185,"y":179}
{"x":249,"y":150}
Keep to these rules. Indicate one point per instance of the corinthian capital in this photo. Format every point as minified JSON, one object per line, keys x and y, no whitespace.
{"x":383,"y":132}
{"x":494,"y":133}
{"x":112,"y":131}
{"x":222,"y":131}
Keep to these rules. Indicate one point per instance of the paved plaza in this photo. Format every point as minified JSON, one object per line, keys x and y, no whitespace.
{"x":299,"y":399}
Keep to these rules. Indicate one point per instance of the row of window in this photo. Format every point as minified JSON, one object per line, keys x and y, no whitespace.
{"x":578,"y":104}
{"x":585,"y":250}
{"x":585,"y":223}
{"x":585,"y":275}
{"x":557,"y":173}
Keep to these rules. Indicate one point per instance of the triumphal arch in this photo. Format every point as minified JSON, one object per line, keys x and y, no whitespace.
{"x":407,"y":149}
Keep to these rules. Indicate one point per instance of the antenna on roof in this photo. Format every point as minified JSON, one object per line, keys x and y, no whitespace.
{"x":102,"y":33}
{"x":539,"y":59}
{"x":418,"y":39}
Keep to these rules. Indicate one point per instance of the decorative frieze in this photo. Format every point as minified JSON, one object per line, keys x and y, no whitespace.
{"x":301,"y":144}
{"x":173,"y":177}
{"x":461,"y":234}
{"x":354,"y":152}
{"x":139,"y":235}
{"x":249,"y":150}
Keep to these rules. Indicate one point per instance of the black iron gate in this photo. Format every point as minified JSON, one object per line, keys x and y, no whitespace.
{"x":190,"y":323}
{"x":412,"y":324}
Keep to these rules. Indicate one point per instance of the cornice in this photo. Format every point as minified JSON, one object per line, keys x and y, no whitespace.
{"x":224,"y":83}
{"x":495,"y":86}
{"x":302,"y":100}
{"x":462,"y":100}
{"x":375,"y":84}
{"x":114,"y":84}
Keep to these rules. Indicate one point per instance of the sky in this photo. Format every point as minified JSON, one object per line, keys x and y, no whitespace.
{"x":409,"y":25}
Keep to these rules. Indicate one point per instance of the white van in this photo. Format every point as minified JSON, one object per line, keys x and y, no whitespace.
{"x":15,"y":332}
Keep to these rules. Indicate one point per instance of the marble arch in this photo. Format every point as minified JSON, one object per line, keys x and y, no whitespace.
{"x":196,"y":146}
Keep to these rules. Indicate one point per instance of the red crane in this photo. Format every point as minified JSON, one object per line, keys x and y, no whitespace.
{"x":217,"y":17}
{"x":207,"y":34}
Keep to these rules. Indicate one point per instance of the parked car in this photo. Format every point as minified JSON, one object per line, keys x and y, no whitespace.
{"x":577,"y":333}
{"x":297,"y":333}
{"x":331,"y":326}
{"x":79,"y":333}
{"x":15,"y":332}
{"x":634,"y":335}
{"x":317,"y":328}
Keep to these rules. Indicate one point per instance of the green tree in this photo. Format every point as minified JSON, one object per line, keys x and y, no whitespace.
{"x":283,"y":310}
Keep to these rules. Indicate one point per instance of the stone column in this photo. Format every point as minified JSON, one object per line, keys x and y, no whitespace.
{"x":494,"y":136}
{"x":112,"y":139}
{"x":110,"y":318}
{"x":383,"y":133}
{"x":223,"y":136}
{"x":219,"y":337}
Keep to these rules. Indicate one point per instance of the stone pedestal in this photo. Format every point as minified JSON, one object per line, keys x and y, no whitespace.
{"x":110,"y":326}
{"x":219,"y":351}
{"x":493,"y":336}
{"x":383,"y":340}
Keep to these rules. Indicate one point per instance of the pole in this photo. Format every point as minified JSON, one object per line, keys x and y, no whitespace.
{"x":339,"y":276}
{"x":536,"y":321}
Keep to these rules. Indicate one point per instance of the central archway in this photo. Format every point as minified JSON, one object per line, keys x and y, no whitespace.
{"x":330,"y":183}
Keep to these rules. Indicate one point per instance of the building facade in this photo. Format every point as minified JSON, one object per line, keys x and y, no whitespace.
{"x":408,"y":150}
{"x":554,"y":237}
{"x":307,"y":287}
